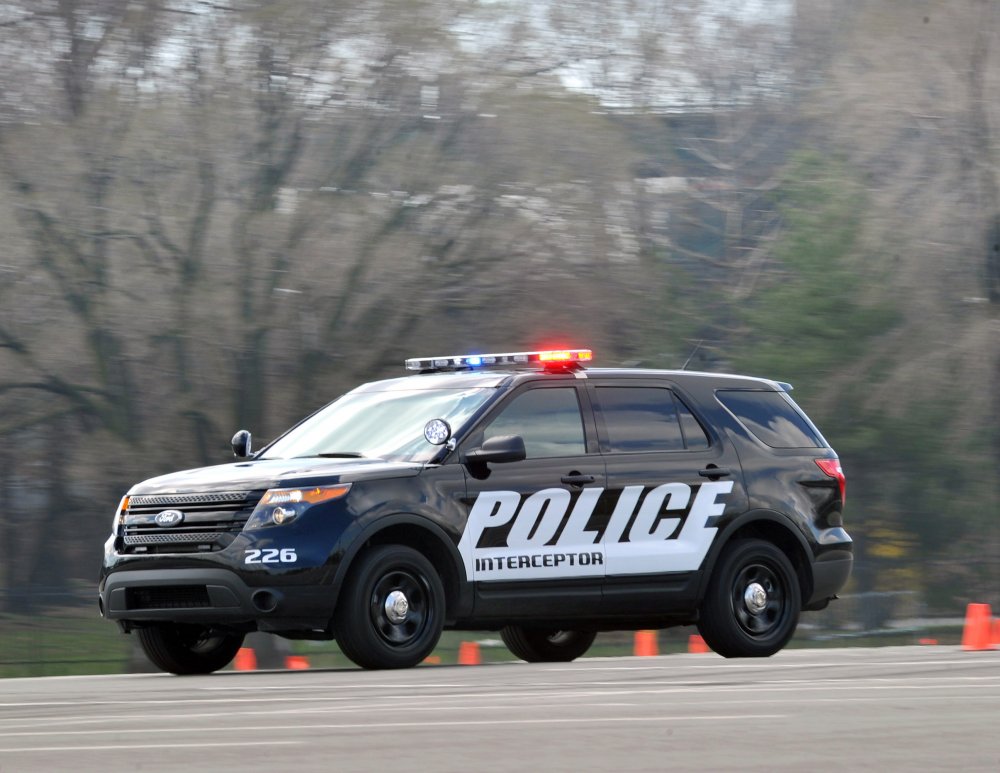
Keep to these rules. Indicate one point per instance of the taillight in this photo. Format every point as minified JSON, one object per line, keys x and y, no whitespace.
{"x":832,"y":468}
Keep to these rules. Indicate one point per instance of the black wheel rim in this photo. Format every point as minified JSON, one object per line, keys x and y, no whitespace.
{"x":759,"y":600}
{"x":409,"y":625}
{"x":561,"y":638}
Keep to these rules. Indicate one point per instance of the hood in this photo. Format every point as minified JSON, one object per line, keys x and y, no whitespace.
{"x":273,"y":473}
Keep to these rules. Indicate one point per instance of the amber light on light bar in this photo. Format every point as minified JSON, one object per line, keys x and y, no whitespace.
{"x":566,"y":355}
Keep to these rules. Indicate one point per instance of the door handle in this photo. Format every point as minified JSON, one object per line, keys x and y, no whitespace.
{"x":714,"y":472}
{"x":576,"y":479}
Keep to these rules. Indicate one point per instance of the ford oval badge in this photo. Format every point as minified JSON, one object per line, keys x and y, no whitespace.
{"x":167,"y":518}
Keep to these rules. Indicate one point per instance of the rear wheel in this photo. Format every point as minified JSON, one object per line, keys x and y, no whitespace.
{"x":546,"y":646}
{"x":188,"y":649}
{"x":753,"y":601}
{"x":391,"y":611}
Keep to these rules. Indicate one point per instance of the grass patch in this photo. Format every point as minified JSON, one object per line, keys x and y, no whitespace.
{"x":68,"y":643}
{"x":75,"y":643}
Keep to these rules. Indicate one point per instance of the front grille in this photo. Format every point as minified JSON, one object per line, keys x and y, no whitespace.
{"x":177,"y":500}
{"x":210,"y":523}
{"x":167,"y":597}
{"x":167,"y":539}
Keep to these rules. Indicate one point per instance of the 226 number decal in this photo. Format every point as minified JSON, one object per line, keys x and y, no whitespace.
{"x":271,"y":556}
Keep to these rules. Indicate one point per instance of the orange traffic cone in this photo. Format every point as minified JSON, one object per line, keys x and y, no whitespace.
{"x":297,"y":663}
{"x":996,"y":632}
{"x":245,"y":660}
{"x":468,"y":654}
{"x":433,"y":660}
{"x":977,"y":634}
{"x":646,"y":645}
{"x":697,"y":644}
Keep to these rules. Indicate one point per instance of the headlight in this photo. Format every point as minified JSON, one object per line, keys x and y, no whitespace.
{"x":281,"y":506}
{"x":119,"y":515}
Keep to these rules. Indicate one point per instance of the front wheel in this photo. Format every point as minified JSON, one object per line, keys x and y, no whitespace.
{"x":753,"y":601}
{"x":391,"y":610}
{"x":546,"y":646}
{"x":188,"y":649}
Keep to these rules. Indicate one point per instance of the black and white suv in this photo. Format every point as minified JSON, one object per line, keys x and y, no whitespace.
{"x":521,"y":492}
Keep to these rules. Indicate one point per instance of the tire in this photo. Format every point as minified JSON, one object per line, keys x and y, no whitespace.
{"x":753,"y":601}
{"x":188,"y":649}
{"x":546,"y":646}
{"x":391,"y":610}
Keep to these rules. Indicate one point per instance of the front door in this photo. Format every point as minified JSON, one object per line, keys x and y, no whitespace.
{"x":529,"y":544}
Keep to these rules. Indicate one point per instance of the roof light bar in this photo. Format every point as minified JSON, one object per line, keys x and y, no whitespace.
{"x":558,"y":358}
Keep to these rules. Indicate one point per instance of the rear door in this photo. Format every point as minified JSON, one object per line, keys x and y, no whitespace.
{"x":670,"y":479}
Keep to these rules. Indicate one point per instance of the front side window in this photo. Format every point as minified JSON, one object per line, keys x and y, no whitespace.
{"x":548,"y":419}
{"x":648,"y":419}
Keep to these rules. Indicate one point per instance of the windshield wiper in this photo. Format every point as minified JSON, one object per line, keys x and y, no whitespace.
{"x":334,"y":455}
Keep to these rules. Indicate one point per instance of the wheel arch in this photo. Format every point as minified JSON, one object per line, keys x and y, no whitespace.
{"x":427,"y":538}
{"x":771,"y":527}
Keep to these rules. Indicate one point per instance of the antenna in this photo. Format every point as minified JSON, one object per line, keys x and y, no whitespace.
{"x":693,"y":353}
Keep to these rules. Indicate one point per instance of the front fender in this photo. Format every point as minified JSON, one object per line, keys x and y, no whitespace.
{"x":378,"y":527}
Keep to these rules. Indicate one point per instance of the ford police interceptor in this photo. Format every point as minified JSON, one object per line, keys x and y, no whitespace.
{"x":521,"y":492}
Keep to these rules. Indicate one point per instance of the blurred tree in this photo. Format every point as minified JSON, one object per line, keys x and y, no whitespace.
{"x":220,"y":214}
{"x":983,"y":139}
{"x":228,"y":214}
{"x":810,"y":324}
{"x":909,"y":98}
{"x":816,"y":323}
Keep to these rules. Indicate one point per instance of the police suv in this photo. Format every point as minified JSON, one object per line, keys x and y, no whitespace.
{"x":521,"y":492}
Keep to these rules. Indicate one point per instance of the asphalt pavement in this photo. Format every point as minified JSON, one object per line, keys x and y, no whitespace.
{"x":887,"y":709}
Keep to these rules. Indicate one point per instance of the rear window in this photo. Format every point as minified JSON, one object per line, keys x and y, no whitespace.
{"x":772,"y":418}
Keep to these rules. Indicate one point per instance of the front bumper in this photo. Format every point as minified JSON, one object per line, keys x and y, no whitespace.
{"x":213,"y":596}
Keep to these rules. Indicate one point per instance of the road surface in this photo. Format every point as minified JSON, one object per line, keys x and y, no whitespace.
{"x":896,"y":708}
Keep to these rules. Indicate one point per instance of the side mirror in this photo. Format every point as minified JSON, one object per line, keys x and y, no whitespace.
{"x":241,"y":444}
{"x":502,"y":448}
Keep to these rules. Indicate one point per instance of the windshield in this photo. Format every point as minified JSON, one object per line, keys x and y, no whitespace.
{"x":385,"y":425}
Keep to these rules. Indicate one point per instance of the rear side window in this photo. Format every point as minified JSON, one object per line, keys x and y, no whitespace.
{"x":772,"y":418}
{"x":648,"y":419}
